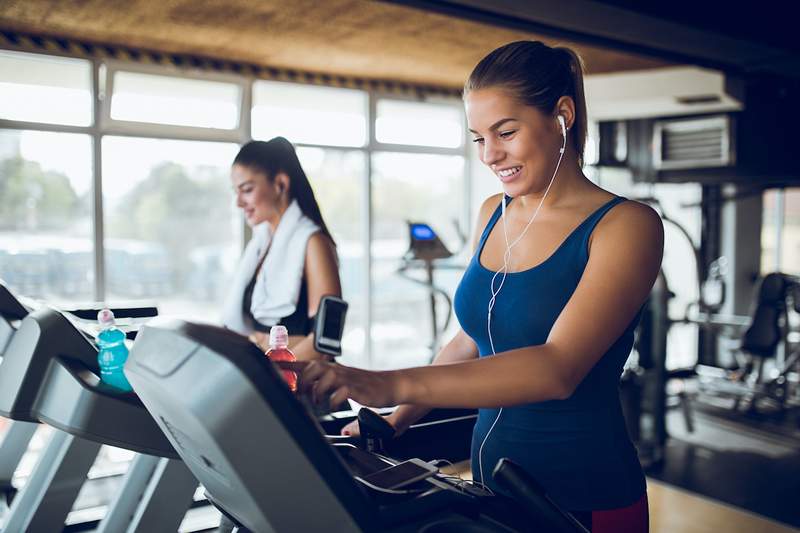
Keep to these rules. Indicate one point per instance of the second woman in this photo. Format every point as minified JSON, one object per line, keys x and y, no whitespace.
{"x":290,"y":261}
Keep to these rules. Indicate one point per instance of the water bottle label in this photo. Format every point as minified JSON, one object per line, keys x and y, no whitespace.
{"x":111,"y":369}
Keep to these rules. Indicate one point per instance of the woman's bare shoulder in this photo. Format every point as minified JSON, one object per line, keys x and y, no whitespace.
{"x":484,"y":213}
{"x":320,"y":246}
{"x":631,"y":222}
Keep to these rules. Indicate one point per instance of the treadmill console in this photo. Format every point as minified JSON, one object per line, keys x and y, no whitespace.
{"x":425,"y":244}
{"x":259,"y":453}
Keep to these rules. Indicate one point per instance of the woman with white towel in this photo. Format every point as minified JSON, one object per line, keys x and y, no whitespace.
{"x":290,"y":261}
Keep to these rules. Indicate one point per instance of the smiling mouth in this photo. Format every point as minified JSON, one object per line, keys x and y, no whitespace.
{"x":508,"y":174}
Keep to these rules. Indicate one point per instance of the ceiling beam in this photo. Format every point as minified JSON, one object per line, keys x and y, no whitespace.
{"x":601,"y":24}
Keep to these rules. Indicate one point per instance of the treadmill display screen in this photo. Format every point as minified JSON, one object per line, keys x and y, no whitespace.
{"x":422,"y":232}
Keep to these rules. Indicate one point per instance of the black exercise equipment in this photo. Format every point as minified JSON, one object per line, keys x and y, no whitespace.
{"x":525,"y":489}
{"x":374,"y":430}
{"x":766,"y":332}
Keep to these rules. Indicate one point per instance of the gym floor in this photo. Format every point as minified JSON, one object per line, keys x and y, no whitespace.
{"x":674,"y":510}
{"x":742,"y":461}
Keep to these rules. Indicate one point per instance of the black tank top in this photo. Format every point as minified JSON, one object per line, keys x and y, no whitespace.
{"x":298,"y":323}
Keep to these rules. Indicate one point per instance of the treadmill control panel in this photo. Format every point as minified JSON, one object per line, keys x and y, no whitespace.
{"x":425,"y":244}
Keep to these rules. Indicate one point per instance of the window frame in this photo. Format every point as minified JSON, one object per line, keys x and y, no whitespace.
{"x":49,"y":126}
{"x":111,"y":126}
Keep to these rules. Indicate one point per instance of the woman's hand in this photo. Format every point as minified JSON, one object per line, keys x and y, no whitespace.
{"x":337,"y":383}
{"x":354,"y":430}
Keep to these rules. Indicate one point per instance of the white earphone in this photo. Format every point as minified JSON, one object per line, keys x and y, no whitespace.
{"x":504,"y":270}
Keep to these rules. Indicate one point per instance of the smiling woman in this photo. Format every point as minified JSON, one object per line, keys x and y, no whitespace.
{"x":547,"y":306}
{"x":290,"y":263}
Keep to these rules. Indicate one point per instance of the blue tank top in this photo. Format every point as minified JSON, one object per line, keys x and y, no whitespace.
{"x":577,"y":448}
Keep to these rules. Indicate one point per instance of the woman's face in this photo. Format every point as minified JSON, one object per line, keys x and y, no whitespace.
{"x":256,"y":196}
{"x":518,"y":142}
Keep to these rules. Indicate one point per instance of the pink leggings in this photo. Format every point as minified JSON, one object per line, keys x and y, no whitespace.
{"x":634,"y":518}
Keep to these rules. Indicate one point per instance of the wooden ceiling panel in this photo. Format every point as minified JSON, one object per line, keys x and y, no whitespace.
{"x":344,"y":37}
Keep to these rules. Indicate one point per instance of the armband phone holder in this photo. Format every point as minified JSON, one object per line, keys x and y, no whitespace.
{"x":329,"y":325}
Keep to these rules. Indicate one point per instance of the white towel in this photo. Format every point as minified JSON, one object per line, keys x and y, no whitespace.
{"x":277,"y":286}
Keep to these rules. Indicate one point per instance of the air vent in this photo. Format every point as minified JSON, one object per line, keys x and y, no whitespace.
{"x":695,"y":143}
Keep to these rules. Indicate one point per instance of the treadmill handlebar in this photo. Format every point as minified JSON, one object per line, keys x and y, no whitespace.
{"x":370,"y":422}
{"x":17,"y":307}
{"x":90,"y":312}
{"x":340,"y":439}
{"x":10,"y":307}
{"x":374,"y":430}
{"x":527,"y":492}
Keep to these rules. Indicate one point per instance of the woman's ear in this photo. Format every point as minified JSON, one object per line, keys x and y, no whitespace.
{"x":566,"y":108}
{"x":282,"y":183}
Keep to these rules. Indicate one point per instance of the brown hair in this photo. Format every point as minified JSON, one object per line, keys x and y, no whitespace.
{"x":538,"y":75}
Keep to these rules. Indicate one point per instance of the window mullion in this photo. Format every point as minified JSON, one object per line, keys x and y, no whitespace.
{"x":98,"y":97}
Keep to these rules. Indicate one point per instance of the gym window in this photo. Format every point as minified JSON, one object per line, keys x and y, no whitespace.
{"x":138,"y":204}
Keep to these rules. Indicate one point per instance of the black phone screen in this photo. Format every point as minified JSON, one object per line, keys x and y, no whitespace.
{"x":334,"y":319}
{"x":330,"y":325}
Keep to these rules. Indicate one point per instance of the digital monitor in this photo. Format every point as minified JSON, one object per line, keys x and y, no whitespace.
{"x":422,"y":232}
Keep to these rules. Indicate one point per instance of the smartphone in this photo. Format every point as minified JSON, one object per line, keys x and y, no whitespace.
{"x":400,"y":475}
{"x":330,"y":325}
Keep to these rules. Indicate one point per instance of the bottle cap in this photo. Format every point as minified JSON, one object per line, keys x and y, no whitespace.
{"x":278,"y":337}
{"x":105,"y":317}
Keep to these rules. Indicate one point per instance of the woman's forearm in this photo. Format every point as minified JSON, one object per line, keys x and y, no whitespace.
{"x":459,"y":349}
{"x":303,"y":348}
{"x":512,"y":378}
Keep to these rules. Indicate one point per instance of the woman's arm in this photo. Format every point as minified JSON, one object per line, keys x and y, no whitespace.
{"x":460,"y":348}
{"x":321,"y":272}
{"x":625,"y":256}
{"x":322,"y":278}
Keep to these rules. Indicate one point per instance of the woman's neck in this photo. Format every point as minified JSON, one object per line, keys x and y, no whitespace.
{"x":280,"y":209}
{"x":569,"y":183}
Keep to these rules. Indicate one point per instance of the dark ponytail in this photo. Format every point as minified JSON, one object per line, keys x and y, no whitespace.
{"x":278,"y":155}
{"x":538,"y":75}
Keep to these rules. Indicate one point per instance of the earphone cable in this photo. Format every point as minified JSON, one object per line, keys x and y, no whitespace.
{"x":504,"y":271}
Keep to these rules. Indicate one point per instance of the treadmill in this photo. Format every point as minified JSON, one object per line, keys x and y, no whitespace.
{"x":49,"y":373}
{"x":427,"y":251}
{"x":18,"y":433}
{"x":260,"y":453}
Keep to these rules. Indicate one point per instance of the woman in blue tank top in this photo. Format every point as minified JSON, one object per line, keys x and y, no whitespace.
{"x":547,"y":305}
